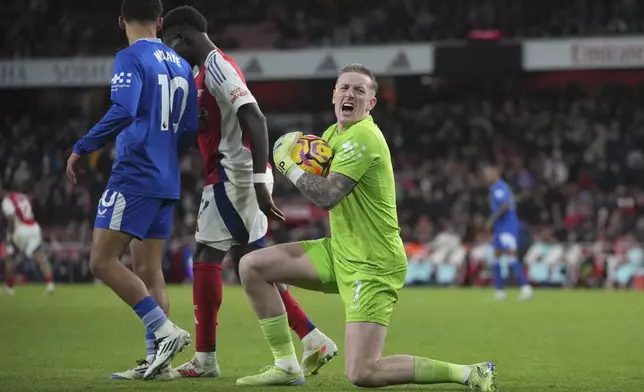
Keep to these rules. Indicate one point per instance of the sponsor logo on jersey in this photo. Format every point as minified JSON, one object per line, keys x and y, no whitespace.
{"x":237,"y":93}
{"x":121,"y":80}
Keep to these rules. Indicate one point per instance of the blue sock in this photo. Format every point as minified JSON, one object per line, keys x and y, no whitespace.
{"x":309,"y":325}
{"x":496,"y":275}
{"x":150,"y":313}
{"x":517,"y":270}
{"x":150,"y":347}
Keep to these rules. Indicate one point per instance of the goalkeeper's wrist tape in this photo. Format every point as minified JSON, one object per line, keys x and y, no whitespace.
{"x":295,"y":174}
{"x":260,"y":178}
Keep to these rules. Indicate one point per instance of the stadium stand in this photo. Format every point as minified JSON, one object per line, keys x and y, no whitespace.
{"x":90,"y":28}
{"x":573,"y":154}
{"x":578,"y":169}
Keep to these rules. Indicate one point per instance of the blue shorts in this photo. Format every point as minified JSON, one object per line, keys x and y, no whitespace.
{"x":139,"y":216}
{"x":505,"y":241}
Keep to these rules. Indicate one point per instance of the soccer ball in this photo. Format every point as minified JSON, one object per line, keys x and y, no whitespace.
{"x":313,"y":155}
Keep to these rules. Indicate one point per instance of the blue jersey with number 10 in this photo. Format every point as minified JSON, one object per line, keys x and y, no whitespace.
{"x":500,"y":193}
{"x":154,"y":108}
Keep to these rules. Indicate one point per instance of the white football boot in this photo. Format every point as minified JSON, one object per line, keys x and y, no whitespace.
{"x":318,"y":350}
{"x":137,"y":372}
{"x":50,"y":288}
{"x":207,"y":368}
{"x":167,"y":348}
{"x":526,"y":293}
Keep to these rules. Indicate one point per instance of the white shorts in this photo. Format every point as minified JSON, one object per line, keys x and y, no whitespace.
{"x":25,"y":239}
{"x":229,"y":215}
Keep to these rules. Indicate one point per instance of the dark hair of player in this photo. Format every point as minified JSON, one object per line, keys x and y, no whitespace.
{"x":361,"y":69}
{"x":184,"y":18}
{"x":141,"y":10}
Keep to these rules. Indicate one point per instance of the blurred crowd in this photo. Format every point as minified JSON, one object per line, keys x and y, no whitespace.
{"x":37,"y":28}
{"x":574,"y":159}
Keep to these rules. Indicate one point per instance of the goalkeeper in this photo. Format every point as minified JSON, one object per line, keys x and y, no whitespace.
{"x":364,"y":260}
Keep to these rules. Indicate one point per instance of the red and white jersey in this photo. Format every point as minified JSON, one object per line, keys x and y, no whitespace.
{"x":18,"y":206}
{"x":224,"y":146}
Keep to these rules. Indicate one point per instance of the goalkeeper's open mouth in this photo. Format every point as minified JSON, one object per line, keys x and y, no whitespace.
{"x":347,"y":108}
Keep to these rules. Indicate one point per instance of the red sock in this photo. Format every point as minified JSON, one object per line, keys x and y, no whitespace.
{"x":206,"y":297}
{"x":297,"y":319}
{"x":48,"y":279}
{"x":9,"y":282}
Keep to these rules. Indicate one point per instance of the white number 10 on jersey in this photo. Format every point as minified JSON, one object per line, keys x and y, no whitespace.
{"x":168,"y":91}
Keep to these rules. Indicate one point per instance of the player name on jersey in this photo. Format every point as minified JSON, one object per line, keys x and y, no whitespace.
{"x":167,"y":56}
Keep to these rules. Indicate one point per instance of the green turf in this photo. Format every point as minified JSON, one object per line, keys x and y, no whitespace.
{"x":560,"y":341}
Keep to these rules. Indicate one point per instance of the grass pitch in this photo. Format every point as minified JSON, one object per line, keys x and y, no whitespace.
{"x":560,"y":341}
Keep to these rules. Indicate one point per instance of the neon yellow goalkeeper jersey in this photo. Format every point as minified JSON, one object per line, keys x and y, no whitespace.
{"x":364,"y":225}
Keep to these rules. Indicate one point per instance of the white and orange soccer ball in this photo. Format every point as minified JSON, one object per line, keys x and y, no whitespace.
{"x":313,"y":155}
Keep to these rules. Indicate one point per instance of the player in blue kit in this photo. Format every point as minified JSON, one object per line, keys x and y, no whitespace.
{"x":505,"y":223}
{"x":153,"y":111}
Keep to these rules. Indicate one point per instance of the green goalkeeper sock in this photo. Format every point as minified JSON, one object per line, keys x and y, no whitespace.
{"x":430,"y":371}
{"x":278,"y":335}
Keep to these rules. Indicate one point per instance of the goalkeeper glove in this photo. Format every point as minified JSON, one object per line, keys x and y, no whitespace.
{"x":282,"y":156}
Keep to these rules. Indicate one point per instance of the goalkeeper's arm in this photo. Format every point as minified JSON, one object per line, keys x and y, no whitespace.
{"x":325,"y":192}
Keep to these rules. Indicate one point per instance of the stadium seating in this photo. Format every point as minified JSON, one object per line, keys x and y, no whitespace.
{"x":27,"y":28}
{"x":574,"y":156}
{"x":576,"y":173}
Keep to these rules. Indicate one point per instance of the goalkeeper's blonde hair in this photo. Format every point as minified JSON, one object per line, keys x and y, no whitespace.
{"x":361,"y":69}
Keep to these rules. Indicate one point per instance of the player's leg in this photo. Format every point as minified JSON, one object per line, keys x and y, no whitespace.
{"x":207,"y":294}
{"x":517,"y":269}
{"x":117,"y":222}
{"x":214,"y":240}
{"x":16,"y":246}
{"x":107,"y":248}
{"x":369,"y":302}
{"x":318,"y":348}
{"x":297,"y":319}
{"x":147,"y":255}
{"x":366,"y":368}
{"x":505,"y":245}
{"x":497,"y":276}
{"x":147,"y":258}
{"x":307,"y":265}
{"x":40,"y":257}
{"x":35,"y":250}
{"x":152,"y":268}
{"x":500,"y":245}
{"x":144,"y":305}
{"x":9,"y":270}
{"x":248,"y":226}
